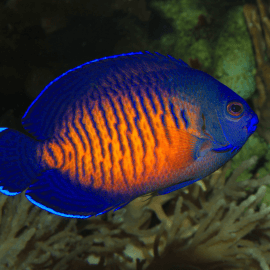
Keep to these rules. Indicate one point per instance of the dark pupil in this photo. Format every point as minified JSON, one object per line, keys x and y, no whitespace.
{"x":236,"y":108}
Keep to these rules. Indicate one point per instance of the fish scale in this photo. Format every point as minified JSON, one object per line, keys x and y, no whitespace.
{"x":120,"y":127}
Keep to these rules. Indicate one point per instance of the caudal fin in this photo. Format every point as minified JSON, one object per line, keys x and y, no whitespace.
{"x":18,"y":163}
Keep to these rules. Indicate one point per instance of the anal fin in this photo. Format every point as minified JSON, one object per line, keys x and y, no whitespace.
{"x":55,"y":193}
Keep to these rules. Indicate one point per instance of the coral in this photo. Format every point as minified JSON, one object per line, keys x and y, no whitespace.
{"x":213,"y":228}
{"x":254,"y":146}
{"x":217,"y":223}
{"x":31,"y":237}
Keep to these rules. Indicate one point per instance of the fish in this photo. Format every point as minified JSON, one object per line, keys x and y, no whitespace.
{"x":119,"y":127}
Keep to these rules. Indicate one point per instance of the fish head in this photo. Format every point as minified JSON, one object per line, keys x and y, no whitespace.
{"x":237,"y":122}
{"x":226,"y":122}
{"x":229,"y":120}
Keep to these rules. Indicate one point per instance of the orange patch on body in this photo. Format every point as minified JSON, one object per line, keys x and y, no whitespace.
{"x":142,"y":158}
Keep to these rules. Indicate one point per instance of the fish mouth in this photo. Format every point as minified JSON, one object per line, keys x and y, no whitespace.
{"x":250,"y":128}
{"x":252,"y":124}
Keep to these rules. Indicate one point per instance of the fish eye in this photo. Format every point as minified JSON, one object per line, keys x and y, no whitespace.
{"x":235,"y":108}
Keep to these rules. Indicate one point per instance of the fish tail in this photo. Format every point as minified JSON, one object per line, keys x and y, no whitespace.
{"x":18,"y":161}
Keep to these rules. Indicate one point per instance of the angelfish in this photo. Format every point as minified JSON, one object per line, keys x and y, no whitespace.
{"x":119,"y":127}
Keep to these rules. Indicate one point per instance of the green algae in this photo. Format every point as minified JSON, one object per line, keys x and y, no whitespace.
{"x":234,"y":57}
{"x":183,"y":16}
{"x":224,"y":49}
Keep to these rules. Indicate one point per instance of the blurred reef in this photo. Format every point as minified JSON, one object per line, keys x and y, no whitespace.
{"x":221,"y":222}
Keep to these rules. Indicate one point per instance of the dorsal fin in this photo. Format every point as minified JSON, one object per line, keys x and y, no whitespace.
{"x":50,"y":105}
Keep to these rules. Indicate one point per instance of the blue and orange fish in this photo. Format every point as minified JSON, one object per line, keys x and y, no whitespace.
{"x":116,"y":128}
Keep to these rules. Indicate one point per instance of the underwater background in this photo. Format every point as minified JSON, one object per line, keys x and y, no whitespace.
{"x":220,"y":222}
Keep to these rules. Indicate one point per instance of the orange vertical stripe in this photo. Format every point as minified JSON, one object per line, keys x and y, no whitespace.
{"x":142,"y":159}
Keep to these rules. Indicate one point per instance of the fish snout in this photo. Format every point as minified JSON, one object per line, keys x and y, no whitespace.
{"x":252,"y":123}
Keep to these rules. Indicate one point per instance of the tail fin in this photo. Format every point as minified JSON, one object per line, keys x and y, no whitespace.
{"x":18,"y":162}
